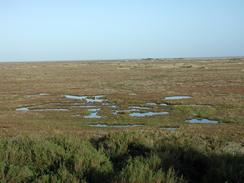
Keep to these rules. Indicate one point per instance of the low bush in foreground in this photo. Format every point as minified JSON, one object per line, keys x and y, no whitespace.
{"x":120,"y":158}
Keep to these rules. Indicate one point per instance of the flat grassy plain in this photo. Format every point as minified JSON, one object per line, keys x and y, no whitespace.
{"x":149,"y":153}
{"x":216,"y":87}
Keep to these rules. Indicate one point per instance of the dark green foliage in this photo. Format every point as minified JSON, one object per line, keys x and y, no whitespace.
{"x":175,"y":158}
{"x":120,"y":158}
{"x":146,"y":170}
{"x":52,"y":160}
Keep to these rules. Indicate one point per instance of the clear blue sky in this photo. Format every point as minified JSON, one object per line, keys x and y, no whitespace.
{"x":110,"y":29}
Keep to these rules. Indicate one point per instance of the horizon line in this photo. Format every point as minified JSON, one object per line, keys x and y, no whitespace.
{"x":125,"y":59}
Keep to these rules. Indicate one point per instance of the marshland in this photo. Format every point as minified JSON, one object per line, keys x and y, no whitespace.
{"x":122,"y":91}
{"x":154,"y":120}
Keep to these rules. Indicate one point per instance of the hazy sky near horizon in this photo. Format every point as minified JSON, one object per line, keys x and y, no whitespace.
{"x":111,"y":29}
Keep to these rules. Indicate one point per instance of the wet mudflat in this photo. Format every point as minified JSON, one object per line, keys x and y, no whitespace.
{"x":93,"y":105}
{"x":122,"y":91}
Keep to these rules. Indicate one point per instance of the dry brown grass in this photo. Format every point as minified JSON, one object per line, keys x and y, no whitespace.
{"x":216,"y":83}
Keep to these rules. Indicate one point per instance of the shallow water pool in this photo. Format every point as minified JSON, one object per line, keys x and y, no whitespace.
{"x":22,"y":109}
{"x":114,"y":126}
{"x":93,"y":114}
{"x":146,"y":114}
{"x":177,"y":97}
{"x":202,"y":121}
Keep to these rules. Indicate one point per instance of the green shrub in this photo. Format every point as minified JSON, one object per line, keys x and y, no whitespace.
{"x":52,"y":159}
{"x":141,"y":170}
{"x":121,"y":157}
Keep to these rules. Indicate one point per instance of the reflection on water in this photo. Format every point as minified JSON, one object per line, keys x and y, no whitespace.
{"x":145,"y":114}
{"x":22,"y":109}
{"x":93,"y":114}
{"x":177,"y":97}
{"x":114,"y":126}
{"x":43,"y":110}
{"x":88,"y":99}
{"x":202,"y":121}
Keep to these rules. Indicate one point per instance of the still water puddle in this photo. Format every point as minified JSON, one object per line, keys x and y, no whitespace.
{"x":38,"y":94}
{"x":114,"y":126}
{"x":163,"y":104}
{"x":177,"y":97}
{"x":22,"y":109}
{"x":146,"y":114}
{"x":26,"y":109}
{"x":138,"y":108}
{"x":74,"y":97}
{"x":88,"y":99}
{"x":93,"y":114}
{"x":202,"y":121}
{"x":113,"y":106}
{"x":83,"y":106}
{"x":43,"y":94}
{"x":47,"y":110}
{"x":151,"y":104}
{"x":93,"y":104}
